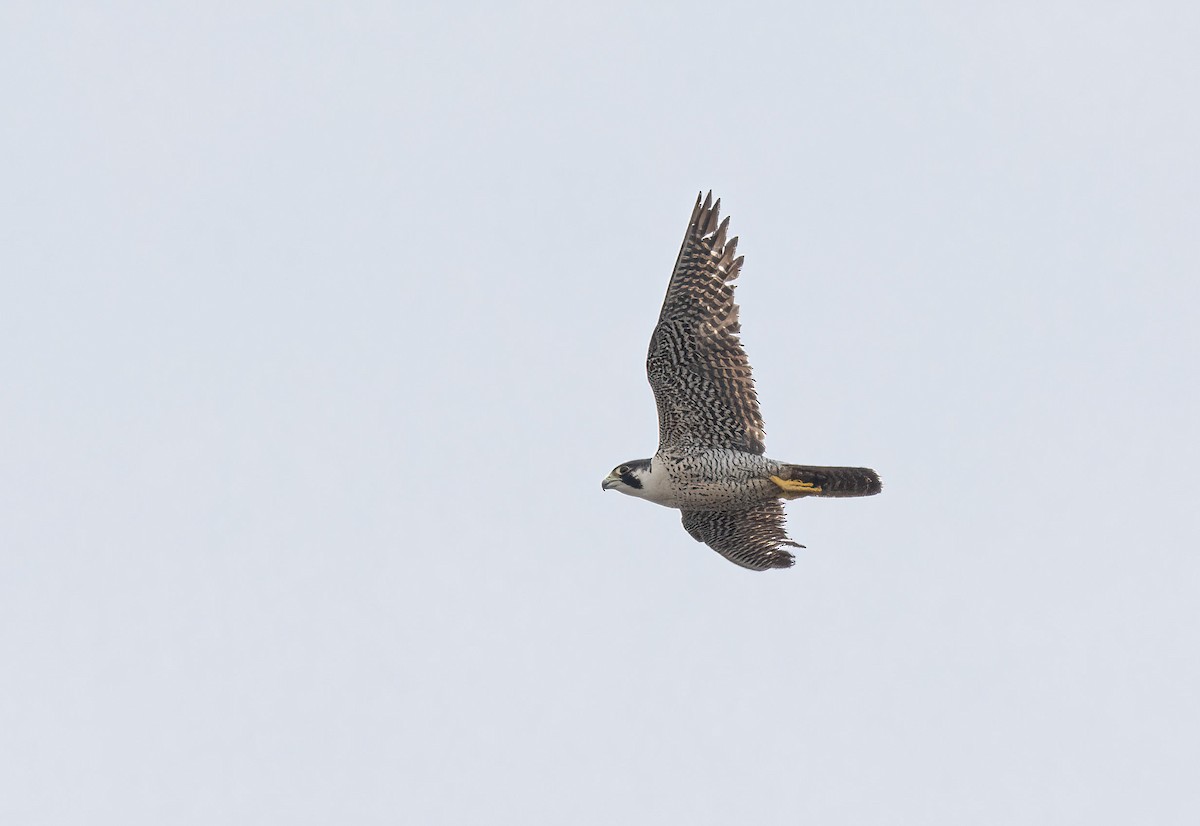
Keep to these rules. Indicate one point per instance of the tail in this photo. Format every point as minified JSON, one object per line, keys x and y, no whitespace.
{"x":810,"y":480}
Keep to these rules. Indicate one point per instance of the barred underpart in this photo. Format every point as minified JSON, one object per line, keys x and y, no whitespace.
{"x":710,"y":461}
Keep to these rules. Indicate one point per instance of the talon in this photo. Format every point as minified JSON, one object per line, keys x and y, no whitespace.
{"x":794,"y":488}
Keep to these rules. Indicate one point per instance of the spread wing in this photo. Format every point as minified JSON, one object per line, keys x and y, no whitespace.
{"x":751,"y":538}
{"x":697,"y":367}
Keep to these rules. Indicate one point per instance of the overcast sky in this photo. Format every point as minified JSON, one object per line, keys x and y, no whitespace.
{"x":321,"y":324}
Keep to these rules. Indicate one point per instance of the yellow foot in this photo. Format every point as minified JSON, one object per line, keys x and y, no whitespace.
{"x":794,"y":489}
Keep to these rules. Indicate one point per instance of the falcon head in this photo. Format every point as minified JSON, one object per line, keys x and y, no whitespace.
{"x":629,"y":478}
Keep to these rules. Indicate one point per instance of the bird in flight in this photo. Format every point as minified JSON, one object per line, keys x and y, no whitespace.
{"x":710,"y":463}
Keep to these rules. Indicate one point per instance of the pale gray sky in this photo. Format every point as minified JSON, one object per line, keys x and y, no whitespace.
{"x":322,"y":323}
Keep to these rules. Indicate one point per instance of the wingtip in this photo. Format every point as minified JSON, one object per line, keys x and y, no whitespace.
{"x":783,"y":559}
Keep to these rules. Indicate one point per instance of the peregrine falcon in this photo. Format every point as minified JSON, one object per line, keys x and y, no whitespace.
{"x":710,"y":462}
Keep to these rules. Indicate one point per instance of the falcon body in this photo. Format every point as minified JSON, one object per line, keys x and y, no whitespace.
{"x":705,"y":480}
{"x":710,"y":462}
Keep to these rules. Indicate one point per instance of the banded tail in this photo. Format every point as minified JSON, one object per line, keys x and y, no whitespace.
{"x":811,"y":480}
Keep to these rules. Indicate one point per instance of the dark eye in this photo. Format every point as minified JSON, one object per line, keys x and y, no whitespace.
{"x":622,"y":470}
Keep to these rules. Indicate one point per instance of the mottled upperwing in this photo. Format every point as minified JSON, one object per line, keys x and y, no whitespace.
{"x":750,"y":538}
{"x":697,"y":367}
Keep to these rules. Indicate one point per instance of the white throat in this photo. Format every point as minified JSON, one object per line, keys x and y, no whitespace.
{"x":656,"y":487}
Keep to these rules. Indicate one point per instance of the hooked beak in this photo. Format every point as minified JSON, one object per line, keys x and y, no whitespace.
{"x":609,"y":482}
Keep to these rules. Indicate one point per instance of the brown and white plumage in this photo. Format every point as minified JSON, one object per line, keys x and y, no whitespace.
{"x":710,"y":462}
{"x":697,"y":368}
{"x":753,"y":538}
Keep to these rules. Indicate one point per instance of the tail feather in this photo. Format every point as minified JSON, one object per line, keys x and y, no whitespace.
{"x":834,"y":481}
